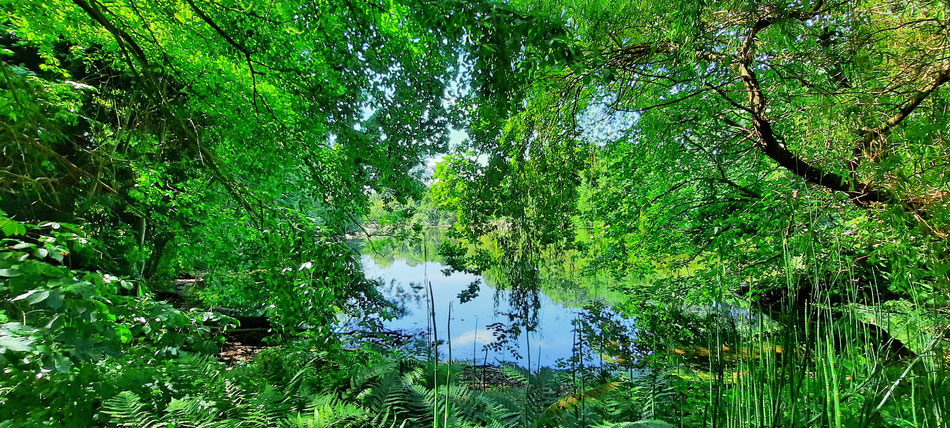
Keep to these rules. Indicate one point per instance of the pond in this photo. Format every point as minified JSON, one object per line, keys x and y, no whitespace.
{"x":479,"y":329}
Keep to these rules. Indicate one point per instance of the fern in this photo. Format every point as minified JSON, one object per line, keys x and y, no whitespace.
{"x":127,"y":410}
{"x":493,"y":407}
{"x":389,"y":394}
{"x":639,"y":424}
{"x":191,"y":412}
{"x":265,"y":409}
{"x":516,"y":374}
{"x":573,"y":400}
{"x":211,"y":400}
{"x":327,"y":411}
{"x":390,"y":387}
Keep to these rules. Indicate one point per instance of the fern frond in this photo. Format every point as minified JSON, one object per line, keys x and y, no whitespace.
{"x":516,"y":374}
{"x":127,"y":410}
{"x":191,"y":412}
{"x":328,"y":411}
{"x":571,"y":401}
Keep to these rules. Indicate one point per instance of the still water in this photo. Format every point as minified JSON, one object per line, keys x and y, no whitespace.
{"x":471,"y":324}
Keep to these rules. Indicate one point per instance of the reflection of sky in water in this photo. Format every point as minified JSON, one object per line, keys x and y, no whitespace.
{"x":402,"y":283}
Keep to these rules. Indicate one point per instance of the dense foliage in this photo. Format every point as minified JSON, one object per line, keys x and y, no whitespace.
{"x":789,"y":157}
{"x":764,"y":183}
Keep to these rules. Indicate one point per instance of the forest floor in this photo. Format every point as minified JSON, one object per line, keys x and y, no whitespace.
{"x":236,"y":352}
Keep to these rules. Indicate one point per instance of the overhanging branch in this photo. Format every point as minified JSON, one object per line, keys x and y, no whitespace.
{"x":127,"y":43}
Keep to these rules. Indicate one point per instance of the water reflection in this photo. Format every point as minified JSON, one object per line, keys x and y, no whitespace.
{"x":489,"y":324}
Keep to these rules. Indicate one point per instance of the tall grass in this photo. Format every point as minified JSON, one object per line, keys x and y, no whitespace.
{"x":828,"y":361}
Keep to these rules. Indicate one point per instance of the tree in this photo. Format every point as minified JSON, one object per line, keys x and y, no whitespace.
{"x":745,"y":129}
{"x":222,"y":138}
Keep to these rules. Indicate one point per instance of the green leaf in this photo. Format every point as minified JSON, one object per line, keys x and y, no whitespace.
{"x":14,"y":343}
{"x":38,"y":297}
{"x":52,"y":322}
{"x":33,"y":296}
{"x":10,"y":340}
{"x":62,"y":363}
{"x":55,"y":300}
{"x":12,"y":227}
{"x":9,"y":273}
{"x":125,"y":335}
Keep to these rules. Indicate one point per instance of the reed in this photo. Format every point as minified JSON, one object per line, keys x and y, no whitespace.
{"x":828,"y":364}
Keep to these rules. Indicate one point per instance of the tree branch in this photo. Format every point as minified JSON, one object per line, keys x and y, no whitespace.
{"x":127,"y":42}
{"x":864,"y":142}
{"x":241,"y":48}
{"x":860,"y":193}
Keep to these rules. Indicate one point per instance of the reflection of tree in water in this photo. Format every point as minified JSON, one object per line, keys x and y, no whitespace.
{"x":385,"y":250}
{"x":604,"y":341}
{"x":518,"y":279}
{"x":521,"y":279}
{"x":401,"y":296}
